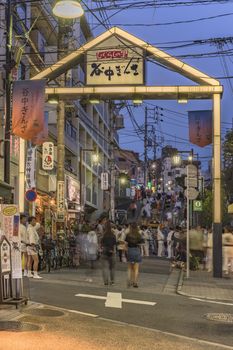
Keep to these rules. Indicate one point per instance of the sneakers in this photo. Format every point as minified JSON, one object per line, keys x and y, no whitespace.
{"x":36,"y":276}
{"x":25,"y":273}
{"x":29,"y":274}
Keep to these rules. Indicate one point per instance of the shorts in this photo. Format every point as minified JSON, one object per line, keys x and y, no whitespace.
{"x":31,"y":251}
{"x":23,"y":248}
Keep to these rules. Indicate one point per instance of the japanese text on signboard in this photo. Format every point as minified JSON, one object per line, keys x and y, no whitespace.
{"x":114,"y":65}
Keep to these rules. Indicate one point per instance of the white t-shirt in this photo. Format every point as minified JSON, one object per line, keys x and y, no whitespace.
{"x":33,"y":237}
{"x":23,"y":233}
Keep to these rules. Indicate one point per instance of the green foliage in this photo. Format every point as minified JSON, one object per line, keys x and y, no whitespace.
{"x":228,"y":164}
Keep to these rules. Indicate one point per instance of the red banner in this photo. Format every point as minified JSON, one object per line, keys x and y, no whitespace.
{"x":28,"y":108}
{"x":200,"y":127}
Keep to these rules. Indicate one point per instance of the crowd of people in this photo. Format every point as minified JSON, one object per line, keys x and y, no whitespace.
{"x":152,"y":232}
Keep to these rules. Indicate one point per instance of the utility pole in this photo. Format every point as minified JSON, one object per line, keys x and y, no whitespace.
{"x":146,"y":147}
{"x":9,"y":26}
{"x":112,"y":166}
{"x":154,"y":143}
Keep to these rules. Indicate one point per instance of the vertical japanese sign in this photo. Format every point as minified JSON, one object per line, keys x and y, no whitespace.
{"x":60,"y":200}
{"x":200,"y":127}
{"x":10,"y":221}
{"x":115,"y":62}
{"x":28,"y":108}
{"x":30,"y":168}
{"x":47,"y":156}
{"x":5,"y":256}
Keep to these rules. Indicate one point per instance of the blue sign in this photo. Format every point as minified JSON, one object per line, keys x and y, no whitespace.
{"x":31,"y":195}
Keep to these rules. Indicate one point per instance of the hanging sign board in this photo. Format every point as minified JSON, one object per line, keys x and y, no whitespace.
{"x":30,"y":168}
{"x":48,"y":156}
{"x":115,"y":62}
{"x":60,"y":200}
{"x":104,"y":181}
{"x":5,"y":253}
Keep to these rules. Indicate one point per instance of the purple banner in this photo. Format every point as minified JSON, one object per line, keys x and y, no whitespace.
{"x":200,"y":127}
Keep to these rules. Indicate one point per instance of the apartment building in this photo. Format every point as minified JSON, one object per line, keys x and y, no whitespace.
{"x":87,"y":126}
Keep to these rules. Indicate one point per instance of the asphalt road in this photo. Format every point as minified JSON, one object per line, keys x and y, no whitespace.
{"x":171,"y":313}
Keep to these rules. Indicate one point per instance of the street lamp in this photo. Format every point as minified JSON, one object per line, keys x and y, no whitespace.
{"x":68,"y":9}
{"x":176,"y":160}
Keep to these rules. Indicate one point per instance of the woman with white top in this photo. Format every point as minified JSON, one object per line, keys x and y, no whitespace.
{"x":32,"y":247}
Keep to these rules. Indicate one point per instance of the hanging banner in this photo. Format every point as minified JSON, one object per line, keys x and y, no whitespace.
{"x":48,"y":156}
{"x":44,"y":134}
{"x":30,"y":168}
{"x":200,"y":127}
{"x":28,"y":108}
{"x":114,"y":62}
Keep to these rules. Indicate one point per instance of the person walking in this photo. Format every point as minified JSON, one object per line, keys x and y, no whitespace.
{"x":160,"y":238}
{"x":108,"y":247}
{"x":133,"y":239}
{"x":24,"y":241}
{"x":170,"y":244}
{"x":32,"y":248}
{"x":121,"y":245}
{"x":92,"y":246}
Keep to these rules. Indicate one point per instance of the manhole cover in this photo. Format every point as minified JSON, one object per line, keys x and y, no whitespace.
{"x":15,"y":326}
{"x":220,"y":317}
{"x":43,"y":312}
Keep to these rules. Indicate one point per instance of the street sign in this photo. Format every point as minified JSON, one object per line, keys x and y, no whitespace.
{"x":197,"y":205}
{"x":31,"y":195}
{"x":60,"y":201}
{"x":192,"y":193}
{"x":191,"y":182}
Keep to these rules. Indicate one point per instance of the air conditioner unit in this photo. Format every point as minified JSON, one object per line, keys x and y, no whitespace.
{"x":119,"y":122}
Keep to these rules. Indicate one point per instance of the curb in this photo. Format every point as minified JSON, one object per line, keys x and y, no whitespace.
{"x":179,"y":291}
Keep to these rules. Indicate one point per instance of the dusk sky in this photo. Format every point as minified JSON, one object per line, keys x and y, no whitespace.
{"x":146,"y":24}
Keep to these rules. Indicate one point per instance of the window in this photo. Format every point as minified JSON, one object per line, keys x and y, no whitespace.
{"x":22,"y":72}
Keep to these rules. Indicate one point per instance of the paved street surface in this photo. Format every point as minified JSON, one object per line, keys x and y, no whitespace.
{"x":99,"y":317}
{"x":201,"y":284}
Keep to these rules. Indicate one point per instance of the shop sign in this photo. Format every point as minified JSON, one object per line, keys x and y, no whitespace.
{"x":60,"y":200}
{"x":114,"y":62}
{"x":48,"y":156}
{"x":30,"y":168}
{"x":5,"y":256}
{"x":104,"y":181}
{"x":9,"y":226}
{"x":72,"y":189}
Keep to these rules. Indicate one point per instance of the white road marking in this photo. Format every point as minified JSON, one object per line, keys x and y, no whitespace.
{"x":212,"y":301}
{"x":115,"y":300}
{"x":195,"y":340}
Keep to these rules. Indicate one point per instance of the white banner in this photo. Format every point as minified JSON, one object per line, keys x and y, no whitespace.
{"x":48,"y":156}
{"x":30,"y":168}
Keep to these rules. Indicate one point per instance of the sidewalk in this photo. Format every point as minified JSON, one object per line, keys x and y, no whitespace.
{"x":201,"y":284}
